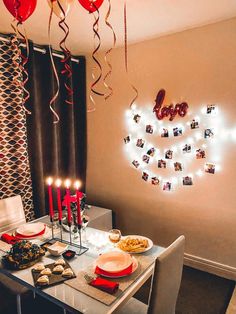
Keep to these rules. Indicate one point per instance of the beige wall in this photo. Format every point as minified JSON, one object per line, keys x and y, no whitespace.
{"x":198,"y":66}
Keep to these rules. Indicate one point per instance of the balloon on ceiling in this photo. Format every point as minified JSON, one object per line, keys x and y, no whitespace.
{"x":91,"y":5}
{"x":21,"y":10}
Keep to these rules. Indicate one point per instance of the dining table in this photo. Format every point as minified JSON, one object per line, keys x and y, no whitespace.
{"x":72,"y":299}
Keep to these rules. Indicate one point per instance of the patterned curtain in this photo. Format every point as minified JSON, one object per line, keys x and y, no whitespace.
{"x":15,"y":177}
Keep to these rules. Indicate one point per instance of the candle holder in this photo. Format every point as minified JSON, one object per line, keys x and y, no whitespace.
{"x":78,"y":248}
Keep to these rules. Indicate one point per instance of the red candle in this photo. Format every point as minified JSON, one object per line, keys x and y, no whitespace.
{"x":58,"y":184}
{"x":78,"y":194}
{"x":69,"y":216}
{"x":50,"y":198}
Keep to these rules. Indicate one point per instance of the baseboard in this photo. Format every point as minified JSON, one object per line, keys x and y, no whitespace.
{"x":209,"y":266}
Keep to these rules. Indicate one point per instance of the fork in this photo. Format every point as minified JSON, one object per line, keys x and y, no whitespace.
{"x":88,"y":278}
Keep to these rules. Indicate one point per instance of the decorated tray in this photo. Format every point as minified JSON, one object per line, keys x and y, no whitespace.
{"x":22,"y":254}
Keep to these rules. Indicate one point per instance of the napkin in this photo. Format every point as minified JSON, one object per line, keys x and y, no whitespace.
{"x":121,"y":273}
{"x":9,"y":239}
{"x":105,"y":285}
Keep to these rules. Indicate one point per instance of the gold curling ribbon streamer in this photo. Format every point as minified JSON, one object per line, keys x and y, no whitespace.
{"x":95,"y":80}
{"x":126,"y":57}
{"x":53,"y":99}
{"x":109,"y":94}
{"x":20,"y":60}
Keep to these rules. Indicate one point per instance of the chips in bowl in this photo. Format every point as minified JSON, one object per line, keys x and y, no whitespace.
{"x":134,"y":244}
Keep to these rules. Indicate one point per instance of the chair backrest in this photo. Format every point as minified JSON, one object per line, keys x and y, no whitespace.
{"x":167,"y":278}
{"x":11,"y":213}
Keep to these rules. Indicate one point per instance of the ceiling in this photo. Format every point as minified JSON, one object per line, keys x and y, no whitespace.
{"x":147,"y":19}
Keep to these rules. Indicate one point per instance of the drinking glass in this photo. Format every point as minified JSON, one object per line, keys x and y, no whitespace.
{"x":114,"y":236}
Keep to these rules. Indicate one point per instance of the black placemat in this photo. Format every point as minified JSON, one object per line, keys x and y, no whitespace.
{"x":54,"y":279}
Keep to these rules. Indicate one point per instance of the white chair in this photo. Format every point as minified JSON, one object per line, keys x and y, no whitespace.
{"x":11,"y":216}
{"x":11,"y":213}
{"x":165,"y":283}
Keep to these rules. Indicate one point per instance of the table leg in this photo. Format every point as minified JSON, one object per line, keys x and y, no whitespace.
{"x":18,"y":304}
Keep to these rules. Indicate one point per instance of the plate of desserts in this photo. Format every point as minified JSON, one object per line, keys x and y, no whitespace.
{"x":52,"y":274}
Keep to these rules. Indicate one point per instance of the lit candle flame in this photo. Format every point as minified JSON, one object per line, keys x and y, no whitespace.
{"x":77,"y":185}
{"x":49,"y":181}
{"x":67,"y":183}
{"x":58,"y":183}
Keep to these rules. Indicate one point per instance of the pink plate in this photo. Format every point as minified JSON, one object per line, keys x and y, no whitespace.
{"x":114,"y":262}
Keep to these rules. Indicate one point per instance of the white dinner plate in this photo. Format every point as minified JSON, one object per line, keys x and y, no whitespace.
{"x":46,"y":234}
{"x":134,"y":268}
{"x":31,"y":229}
{"x":114,"y":261}
{"x":150,"y":243}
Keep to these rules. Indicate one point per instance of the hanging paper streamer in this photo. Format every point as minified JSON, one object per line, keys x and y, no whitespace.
{"x":21,"y":11}
{"x":126,"y":56}
{"x":110,"y":93}
{"x":67,"y":54}
{"x":55,"y":96}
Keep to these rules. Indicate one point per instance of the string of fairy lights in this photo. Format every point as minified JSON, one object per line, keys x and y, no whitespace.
{"x":182,"y":151}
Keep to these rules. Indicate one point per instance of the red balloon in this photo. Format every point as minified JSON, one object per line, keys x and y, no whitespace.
{"x":91,"y":5}
{"x":20,"y":9}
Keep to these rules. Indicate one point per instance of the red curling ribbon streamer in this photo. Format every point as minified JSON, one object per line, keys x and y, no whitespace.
{"x":95,"y":80}
{"x":55,"y":96}
{"x":24,"y":60}
{"x":126,"y":57}
{"x":20,"y":59}
{"x":110,"y":93}
{"x":67,"y":55}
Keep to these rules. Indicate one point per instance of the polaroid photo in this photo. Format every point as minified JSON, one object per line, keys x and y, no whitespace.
{"x":146,"y":159}
{"x":165,"y":133}
{"x":187,"y":181}
{"x":140,"y":143}
{"x":169,"y":154}
{"x":200,"y":153}
{"x":127,"y":139}
{"x":155,"y":181}
{"x":194,"y":124}
{"x":211,"y":109}
{"x":137,"y":118}
{"x":145,"y":176}
{"x":161,"y":163}
{"x":149,"y":129}
{"x":135,"y":163}
{"x":208,"y":133}
{"x":210,"y":168}
{"x":178,"y":166}
{"x":151,"y":152}
{"x":177,"y":131}
{"x":167,"y":186}
{"x":187,"y":148}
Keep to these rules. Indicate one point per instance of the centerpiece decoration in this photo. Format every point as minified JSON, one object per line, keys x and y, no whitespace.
{"x":74,"y":218}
